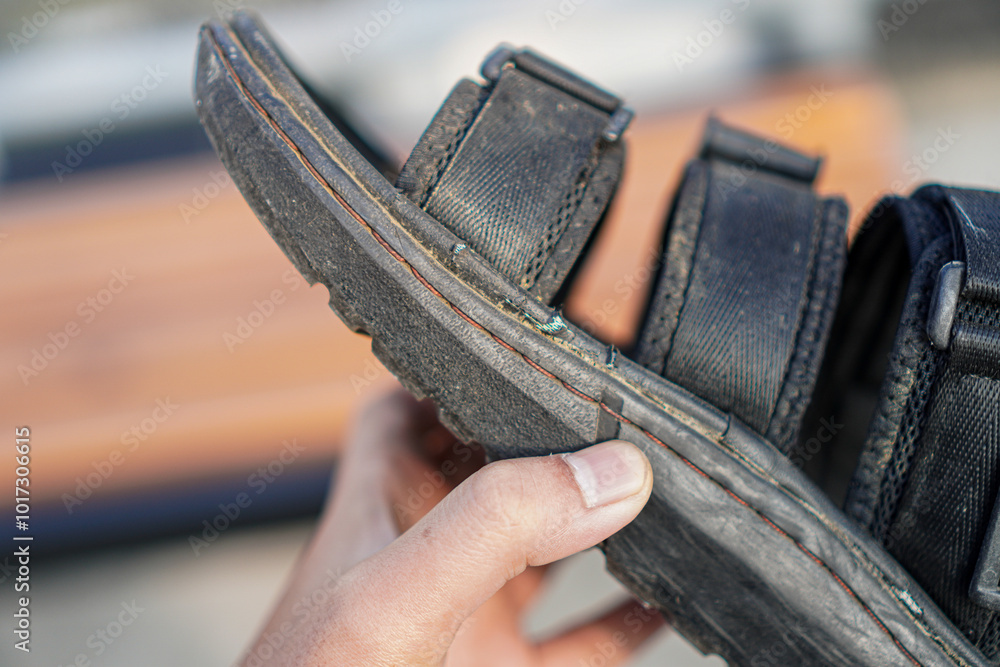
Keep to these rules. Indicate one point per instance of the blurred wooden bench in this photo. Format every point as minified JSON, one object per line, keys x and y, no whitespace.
{"x":215,"y":321}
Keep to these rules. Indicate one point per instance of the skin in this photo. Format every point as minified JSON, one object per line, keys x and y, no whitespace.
{"x":424,"y":556}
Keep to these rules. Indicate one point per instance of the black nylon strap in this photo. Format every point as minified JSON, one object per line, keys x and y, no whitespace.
{"x":521,"y":169}
{"x":752,"y":266}
{"x":929,"y":476}
{"x":975,"y":223}
{"x":963,"y":426}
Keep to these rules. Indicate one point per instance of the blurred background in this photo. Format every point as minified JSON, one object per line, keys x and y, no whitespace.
{"x":166,"y":356}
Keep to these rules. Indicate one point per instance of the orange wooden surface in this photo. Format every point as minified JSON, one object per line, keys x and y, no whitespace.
{"x":299,"y":374}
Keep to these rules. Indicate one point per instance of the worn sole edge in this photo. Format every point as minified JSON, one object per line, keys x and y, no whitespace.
{"x":735,"y":462}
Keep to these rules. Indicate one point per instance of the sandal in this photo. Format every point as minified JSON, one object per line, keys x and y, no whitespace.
{"x":753,"y":342}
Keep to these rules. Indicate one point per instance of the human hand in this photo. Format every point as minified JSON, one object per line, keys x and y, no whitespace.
{"x":411,"y":565}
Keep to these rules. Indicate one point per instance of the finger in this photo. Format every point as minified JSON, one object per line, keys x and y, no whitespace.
{"x":358,"y":520}
{"x":438,"y":464}
{"x":492,"y":634}
{"x":527,"y":586}
{"x":442,"y":449}
{"x":416,"y":489}
{"x":610,"y":640}
{"x":410,"y":598}
{"x":399,"y":464}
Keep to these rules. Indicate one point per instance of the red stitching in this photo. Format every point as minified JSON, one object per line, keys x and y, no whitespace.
{"x":423,"y":281}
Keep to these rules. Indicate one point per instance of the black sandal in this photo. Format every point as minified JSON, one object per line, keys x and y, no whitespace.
{"x":454,"y":271}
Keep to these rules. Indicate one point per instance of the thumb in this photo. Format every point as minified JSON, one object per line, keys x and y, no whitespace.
{"x":406,"y":603}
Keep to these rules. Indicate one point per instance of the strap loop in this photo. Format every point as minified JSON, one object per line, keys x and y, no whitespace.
{"x":973,"y":339}
{"x":521,"y":169}
{"x":749,"y":282}
{"x":726,"y":143}
{"x":975,"y":224}
{"x":975,"y":220}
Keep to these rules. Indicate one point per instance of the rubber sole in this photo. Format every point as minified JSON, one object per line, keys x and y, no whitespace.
{"x":745,"y":555}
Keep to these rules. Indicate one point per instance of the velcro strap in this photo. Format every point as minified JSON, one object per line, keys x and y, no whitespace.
{"x":955,"y":480}
{"x":521,"y":169}
{"x":929,"y":473}
{"x":748,"y":285}
{"x":975,"y":332}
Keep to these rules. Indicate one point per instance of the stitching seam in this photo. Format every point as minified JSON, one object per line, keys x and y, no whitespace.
{"x":556,"y":228}
{"x":800,"y":368}
{"x":446,"y":152}
{"x":662,"y":344}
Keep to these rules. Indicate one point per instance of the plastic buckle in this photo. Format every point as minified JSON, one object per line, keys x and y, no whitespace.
{"x":944,"y":304}
{"x":495,"y":62}
{"x":747,"y":150}
{"x":619,"y":121}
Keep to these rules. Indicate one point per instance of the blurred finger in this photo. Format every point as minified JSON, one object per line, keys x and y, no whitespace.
{"x":610,"y":640}
{"x":410,"y":598}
